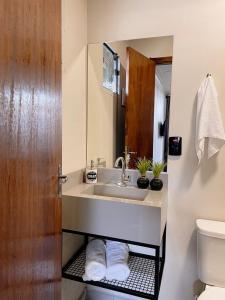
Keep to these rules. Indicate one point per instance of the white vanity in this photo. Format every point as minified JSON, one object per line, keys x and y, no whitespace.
{"x":127,"y":214}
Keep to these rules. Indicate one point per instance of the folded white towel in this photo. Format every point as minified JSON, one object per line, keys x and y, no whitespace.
{"x":117,"y":258}
{"x":209,"y":125}
{"x":95,"y":267}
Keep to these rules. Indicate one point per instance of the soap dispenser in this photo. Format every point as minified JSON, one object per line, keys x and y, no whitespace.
{"x":91,"y":173}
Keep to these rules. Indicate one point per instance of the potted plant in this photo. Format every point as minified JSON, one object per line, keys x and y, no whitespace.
{"x":156,"y":183}
{"x":143,"y":165}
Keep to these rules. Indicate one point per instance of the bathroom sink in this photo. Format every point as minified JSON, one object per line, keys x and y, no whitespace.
{"x":115,"y":191}
{"x":106,"y":209}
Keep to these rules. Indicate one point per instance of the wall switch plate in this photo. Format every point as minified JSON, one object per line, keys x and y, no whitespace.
{"x":175,"y":145}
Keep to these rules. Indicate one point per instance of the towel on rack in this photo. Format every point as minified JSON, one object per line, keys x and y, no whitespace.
{"x":95,"y":267}
{"x":209,"y":126}
{"x":117,"y":257}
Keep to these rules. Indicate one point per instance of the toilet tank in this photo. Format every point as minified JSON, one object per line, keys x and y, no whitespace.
{"x":211,"y":252}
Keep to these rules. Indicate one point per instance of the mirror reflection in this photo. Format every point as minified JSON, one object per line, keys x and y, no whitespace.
{"x":129,"y":87}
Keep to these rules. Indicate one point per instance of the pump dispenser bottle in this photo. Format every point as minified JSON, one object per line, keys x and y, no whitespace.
{"x":91,"y":173}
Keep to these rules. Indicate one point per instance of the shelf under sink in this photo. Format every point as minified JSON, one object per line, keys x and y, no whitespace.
{"x":141,"y":281}
{"x":145,"y":270}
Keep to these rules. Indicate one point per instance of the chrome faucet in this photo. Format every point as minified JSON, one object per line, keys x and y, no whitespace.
{"x":127,"y":156}
{"x":124,"y":178}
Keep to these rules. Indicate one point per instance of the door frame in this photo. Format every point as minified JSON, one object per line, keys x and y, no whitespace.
{"x":165,"y":60}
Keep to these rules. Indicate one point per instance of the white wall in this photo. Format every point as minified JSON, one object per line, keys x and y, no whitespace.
{"x":101,"y":111}
{"x":102,"y":105}
{"x":199,"y":47}
{"x":74,"y":41}
{"x":74,"y":73}
{"x":154,"y":47}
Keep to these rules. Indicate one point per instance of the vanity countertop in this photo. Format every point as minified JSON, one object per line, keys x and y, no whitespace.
{"x":152,"y":198}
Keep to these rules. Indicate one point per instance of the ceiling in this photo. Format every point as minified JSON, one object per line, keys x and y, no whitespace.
{"x":164,"y":73}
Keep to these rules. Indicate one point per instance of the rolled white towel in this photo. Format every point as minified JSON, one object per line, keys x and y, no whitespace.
{"x":95,"y":267}
{"x":117,"y":257}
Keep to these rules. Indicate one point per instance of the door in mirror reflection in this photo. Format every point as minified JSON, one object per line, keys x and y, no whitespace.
{"x":139,"y":105}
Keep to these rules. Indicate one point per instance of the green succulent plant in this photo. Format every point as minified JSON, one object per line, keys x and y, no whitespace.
{"x":157,"y":168}
{"x":144,"y":165}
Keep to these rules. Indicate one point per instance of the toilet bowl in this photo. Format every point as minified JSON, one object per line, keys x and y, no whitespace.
{"x":213,"y":293}
{"x":211,"y":258}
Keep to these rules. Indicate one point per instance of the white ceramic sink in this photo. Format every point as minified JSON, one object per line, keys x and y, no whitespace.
{"x":108,"y":190}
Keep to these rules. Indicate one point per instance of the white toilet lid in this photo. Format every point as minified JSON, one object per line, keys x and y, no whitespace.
{"x":213,"y":293}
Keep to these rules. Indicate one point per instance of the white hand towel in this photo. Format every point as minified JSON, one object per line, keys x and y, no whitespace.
{"x":95,"y":267}
{"x":117,"y":257}
{"x":209,"y":125}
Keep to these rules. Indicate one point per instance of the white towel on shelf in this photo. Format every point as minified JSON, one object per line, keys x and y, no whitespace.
{"x":117,"y":257}
{"x":209,"y":126}
{"x":95,"y":267}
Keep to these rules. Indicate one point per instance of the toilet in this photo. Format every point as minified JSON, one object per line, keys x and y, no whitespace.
{"x":211,"y":258}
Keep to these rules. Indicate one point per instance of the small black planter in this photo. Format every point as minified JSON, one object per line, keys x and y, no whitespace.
{"x":143,"y":182}
{"x":156,"y":184}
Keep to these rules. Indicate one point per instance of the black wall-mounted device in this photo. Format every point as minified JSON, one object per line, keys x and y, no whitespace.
{"x":175,"y":145}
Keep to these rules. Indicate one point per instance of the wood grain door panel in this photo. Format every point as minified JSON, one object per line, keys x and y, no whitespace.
{"x":139,"y":115}
{"x":30,"y":149}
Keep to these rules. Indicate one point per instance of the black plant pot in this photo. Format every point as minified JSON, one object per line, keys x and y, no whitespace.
{"x":156,"y":184}
{"x":143,"y":182}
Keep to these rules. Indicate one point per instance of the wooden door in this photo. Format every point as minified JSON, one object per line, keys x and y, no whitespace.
{"x":139,"y":116}
{"x":30,"y":149}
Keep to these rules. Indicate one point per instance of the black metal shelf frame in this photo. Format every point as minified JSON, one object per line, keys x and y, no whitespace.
{"x":146,"y":270}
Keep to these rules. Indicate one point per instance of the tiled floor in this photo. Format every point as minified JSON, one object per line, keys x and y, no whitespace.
{"x":72,"y":290}
{"x":141,"y":279}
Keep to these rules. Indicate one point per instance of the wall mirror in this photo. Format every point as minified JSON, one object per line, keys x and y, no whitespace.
{"x":129,"y":85}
